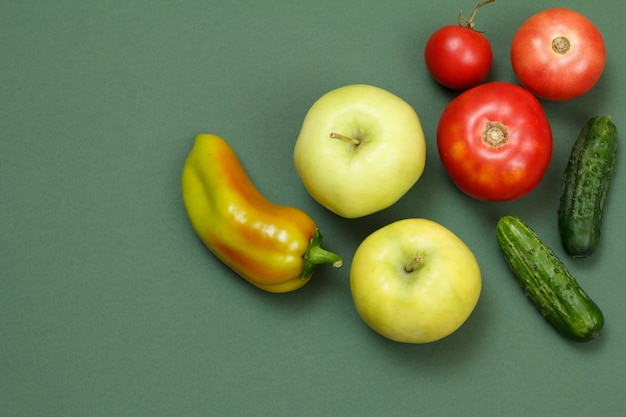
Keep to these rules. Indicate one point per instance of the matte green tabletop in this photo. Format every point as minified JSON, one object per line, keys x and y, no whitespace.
{"x":111,"y":306}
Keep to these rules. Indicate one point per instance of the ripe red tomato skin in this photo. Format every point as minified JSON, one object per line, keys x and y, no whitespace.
{"x":553,"y":76}
{"x":509,"y":172}
{"x":458,"y":57}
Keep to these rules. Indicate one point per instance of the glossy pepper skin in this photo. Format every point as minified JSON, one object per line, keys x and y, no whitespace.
{"x":275,"y":248}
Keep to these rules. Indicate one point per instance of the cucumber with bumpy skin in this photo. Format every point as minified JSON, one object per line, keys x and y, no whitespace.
{"x":547,"y":283}
{"x":586,"y":185}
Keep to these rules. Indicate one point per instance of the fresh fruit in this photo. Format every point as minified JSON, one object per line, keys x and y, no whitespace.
{"x":495,"y":141}
{"x":547,"y":283}
{"x":360,"y":149}
{"x":558,"y":54}
{"x":459,"y":56}
{"x":414,"y":281}
{"x":276,"y":248}
{"x":587,"y":178}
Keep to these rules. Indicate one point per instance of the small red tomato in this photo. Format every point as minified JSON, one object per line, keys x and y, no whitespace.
{"x":558,"y":54}
{"x":458,"y":56}
{"x":495,"y":141}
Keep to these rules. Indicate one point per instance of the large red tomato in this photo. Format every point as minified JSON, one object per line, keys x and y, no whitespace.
{"x":495,"y":141}
{"x":558,"y":54}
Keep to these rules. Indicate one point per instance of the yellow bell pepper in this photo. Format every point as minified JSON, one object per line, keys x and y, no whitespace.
{"x":275,"y":248}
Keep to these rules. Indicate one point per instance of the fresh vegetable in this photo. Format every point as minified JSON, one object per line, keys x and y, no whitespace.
{"x":495,"y":141}
{"x":275,"y":248}
{"x":459,"y":56}
{"x":359,"y":150}
{"x":547,"y":283}
{"x":587,"y":179}
{"x":558,"y":54}
{"x":414,"y":281}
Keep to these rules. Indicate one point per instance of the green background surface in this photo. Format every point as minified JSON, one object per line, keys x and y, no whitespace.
{"x":111,"y":306}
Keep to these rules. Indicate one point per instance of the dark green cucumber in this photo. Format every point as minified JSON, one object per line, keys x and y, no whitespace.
{"x":586,"y":186}
{"x":547,"y":282}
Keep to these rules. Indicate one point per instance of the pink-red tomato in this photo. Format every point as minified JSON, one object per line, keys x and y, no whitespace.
{"x":458,"y":57}
{"x":495,"y":141}
{"x":558,"y":54}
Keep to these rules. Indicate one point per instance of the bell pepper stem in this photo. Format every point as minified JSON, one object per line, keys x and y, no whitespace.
{"x":316,"y":255}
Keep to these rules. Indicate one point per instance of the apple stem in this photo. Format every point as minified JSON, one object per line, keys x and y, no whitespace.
{"x":413,"y":264}
{"x":348,"y":139}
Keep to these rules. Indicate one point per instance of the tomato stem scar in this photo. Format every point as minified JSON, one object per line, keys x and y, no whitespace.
{"x":495,"y":134}
{"x":560,"y":45}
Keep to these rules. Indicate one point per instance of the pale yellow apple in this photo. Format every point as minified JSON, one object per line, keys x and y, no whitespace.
{"x":360,"y":149}
{"x":414,"y":281}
